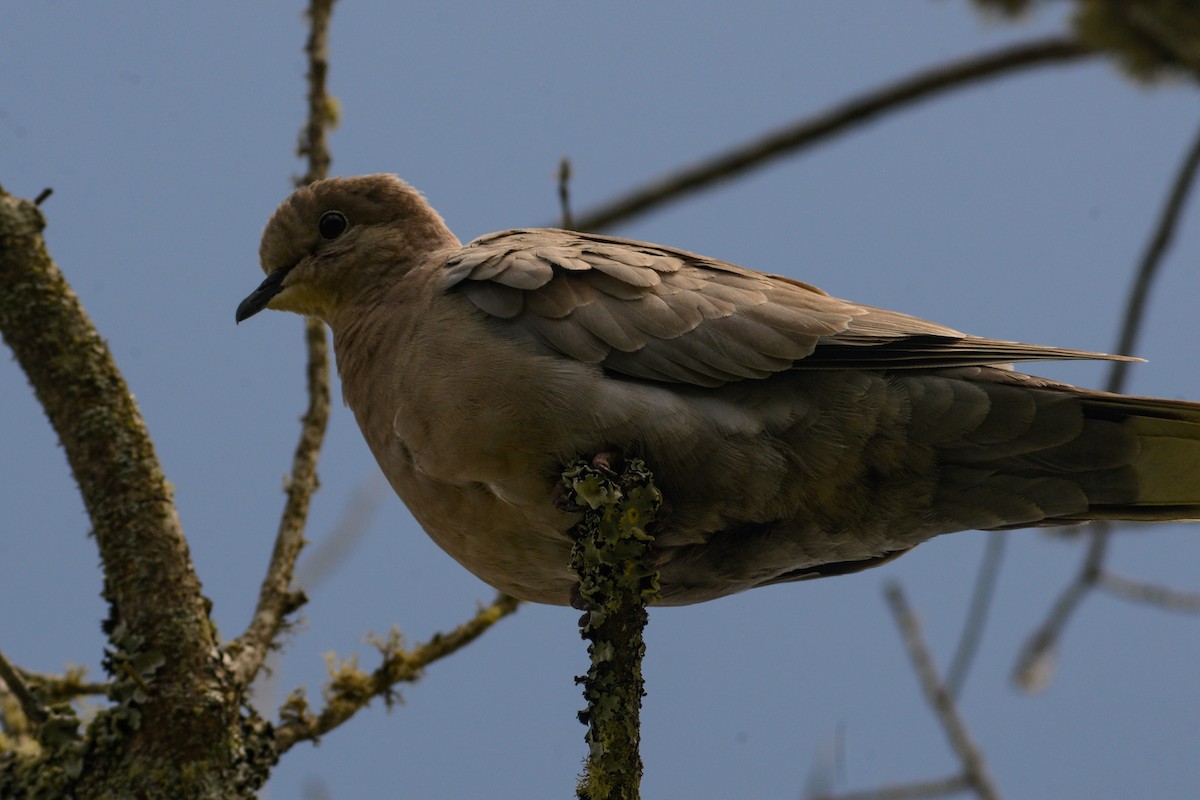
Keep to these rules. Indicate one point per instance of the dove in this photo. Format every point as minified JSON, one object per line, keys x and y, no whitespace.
{"x":793,"y":435}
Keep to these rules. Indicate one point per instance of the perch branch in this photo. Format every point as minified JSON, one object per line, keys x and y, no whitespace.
{"x":614,"y":559}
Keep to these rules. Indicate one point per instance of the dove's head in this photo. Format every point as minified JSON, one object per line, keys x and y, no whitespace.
{"x":339,"y":238}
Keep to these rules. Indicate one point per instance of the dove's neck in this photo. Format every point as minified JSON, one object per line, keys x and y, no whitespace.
{"x":375,"y":330}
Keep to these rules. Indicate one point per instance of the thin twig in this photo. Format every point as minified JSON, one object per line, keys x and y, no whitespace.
{"x":276,"y":597}
{"x":1139,"y":292}
{"x":327,"y":555}
{"x":59,"y":688}
{"x":981,"y":601}
{"x":354,"y":690}
{"x":1149,"y":593}
{"x":31,"y":706}
{"x":322,"y":560}
{"x":1035,"y":664}
{"x":806,"y":132}
{"x":314,"y":143}
{"x":975,"y":770}
{"x":564,"y":194}
{"x":920,"y":790}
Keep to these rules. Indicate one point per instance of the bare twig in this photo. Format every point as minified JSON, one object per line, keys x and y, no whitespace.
{"x":1035,"y":664}
{"x":276,"y":597}
{"x":564,"y":194}
{"x":981,"y":601}
{"x":1149,"y":593}
{"x":920,"y":790}
{"x":975,"y":771}
{"x":322,"y":560}
{"x":328,"y":554}
{"x":1139,"y":292}
{"x":812,"y":130}
{"x":353,"y":690}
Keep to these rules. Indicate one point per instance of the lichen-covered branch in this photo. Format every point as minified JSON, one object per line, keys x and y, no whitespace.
{"x":14,"y":683}
{"x":322,"y":107}
{"x":61,"y":688}
{"x":158,"y":617}
{"x":277,"y":598}
{"x":615,"y":561}
{"x":351,"y":689}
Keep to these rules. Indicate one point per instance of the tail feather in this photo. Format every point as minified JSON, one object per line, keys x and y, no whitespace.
{"x":1168,"y":465}
{"x":1080,"y":455}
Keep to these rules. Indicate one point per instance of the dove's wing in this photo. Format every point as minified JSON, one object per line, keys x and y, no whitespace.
{"x":660,"y":314}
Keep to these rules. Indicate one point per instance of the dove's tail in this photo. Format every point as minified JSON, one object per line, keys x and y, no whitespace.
{"x":1164,"y":467}
{"x":1050,"y":454}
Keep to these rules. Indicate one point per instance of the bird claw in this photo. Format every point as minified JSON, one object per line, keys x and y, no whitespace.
{"x":576,"y":598}
{"x":609,"y":462}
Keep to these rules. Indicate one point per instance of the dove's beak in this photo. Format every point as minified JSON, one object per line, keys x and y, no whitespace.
{"x":259,"y":298}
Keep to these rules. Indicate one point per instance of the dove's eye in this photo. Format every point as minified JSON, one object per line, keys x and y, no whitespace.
{"x":332,"y":224}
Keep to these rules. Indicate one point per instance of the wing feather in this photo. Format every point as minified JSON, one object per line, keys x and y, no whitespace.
{"x":661,"y":314}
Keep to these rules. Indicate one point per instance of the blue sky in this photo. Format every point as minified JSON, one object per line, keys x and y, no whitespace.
{"x":1015,"y":210}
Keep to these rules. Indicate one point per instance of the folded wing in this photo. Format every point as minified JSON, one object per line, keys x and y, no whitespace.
{"x":660,"y":314}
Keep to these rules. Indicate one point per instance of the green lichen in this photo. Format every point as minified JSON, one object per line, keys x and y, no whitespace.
{"x":47,"y":763}
{"x":614,"y":559}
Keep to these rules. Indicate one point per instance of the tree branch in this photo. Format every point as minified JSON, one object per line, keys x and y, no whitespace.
{"x":352,"y":690}
{"x":974,"y":776}
{"x":59,"y":688}
{"x":614,"y":559}
{"x":33,"y":708}
{"x":276,"y":598}
{"x":806,"y":132}
{"x":158,"y":617}
{"x":1152,"y":258}
{"x":566,"y":220}
{"x":1035,"y":664}
{"x":919,"y":790}
{"x":981,"y":602}
{"x":1149,"y":593}
{"x":975,"y":772}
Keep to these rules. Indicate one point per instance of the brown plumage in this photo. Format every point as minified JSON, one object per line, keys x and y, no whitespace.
{"x":794,"y":435}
